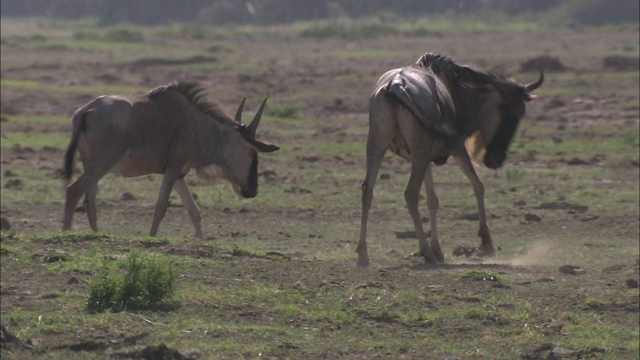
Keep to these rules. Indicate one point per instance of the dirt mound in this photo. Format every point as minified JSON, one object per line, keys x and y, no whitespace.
{"x":621,"y":63}
{"x":144,"y":62}
{"x":542,"y":63}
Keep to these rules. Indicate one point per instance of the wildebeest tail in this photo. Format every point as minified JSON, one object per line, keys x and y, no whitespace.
{"x":78,"y":124}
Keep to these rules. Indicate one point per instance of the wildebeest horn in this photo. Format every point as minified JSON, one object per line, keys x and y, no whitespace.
{"x":535,"y":85}
{"x":238,"y":116}
{"x":256,"y":119}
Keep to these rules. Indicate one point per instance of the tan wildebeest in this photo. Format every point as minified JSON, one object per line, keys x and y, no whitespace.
{"x":432,"y":110}
{"x":170,"y":130}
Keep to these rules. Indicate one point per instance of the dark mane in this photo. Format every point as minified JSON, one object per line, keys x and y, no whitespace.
{"x":455,"y":72}
{"x":196,"y":95}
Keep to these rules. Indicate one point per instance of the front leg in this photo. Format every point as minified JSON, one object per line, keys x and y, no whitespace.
{"x":162,"y":203}
{"x":486,"y":246}
{"x":188,"y":202}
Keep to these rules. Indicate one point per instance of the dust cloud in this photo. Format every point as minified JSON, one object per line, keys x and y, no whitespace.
{"x":538,"y":254}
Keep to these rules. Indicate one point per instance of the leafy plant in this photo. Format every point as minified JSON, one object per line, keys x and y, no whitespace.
{"x":144,"y":283}
{"x":480,"y":275}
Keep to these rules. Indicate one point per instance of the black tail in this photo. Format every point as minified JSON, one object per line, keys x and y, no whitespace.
{"x":78,"y":127}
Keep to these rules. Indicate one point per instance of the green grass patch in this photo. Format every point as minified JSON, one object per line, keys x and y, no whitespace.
{"x":35,"y":141}
{"x":97,"y":90}
{"x":143,"y":282}
{"x":481,"y":275}
{"x":35,"y":119}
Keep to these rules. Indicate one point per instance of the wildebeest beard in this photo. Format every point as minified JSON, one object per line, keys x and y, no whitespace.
{"x":252,"y":184}
{"x":497,"y":149}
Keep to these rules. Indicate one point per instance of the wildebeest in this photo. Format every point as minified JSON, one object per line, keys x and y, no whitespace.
{"x":169,"y":130}
{"x":429,"y":111}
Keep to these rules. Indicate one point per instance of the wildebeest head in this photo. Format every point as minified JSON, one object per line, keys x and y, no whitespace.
{"x":511,"y":109}
{"x":492,"y":104}
{"x":240,"y":164}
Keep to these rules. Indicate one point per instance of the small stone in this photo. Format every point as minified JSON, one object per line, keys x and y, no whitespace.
{"x":127,"y":196}
{"x":4,"y":223}
{"x":530,"y":217}
{"x":571,"y":270}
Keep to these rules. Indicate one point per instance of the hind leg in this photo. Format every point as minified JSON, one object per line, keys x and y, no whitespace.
{"x":90,"y":207}
{"x":100,"y":163}
{"x":432,"y":205}
{"x":381,"y":131}
{"x":86,"y":185}
{"x":412,"y":196}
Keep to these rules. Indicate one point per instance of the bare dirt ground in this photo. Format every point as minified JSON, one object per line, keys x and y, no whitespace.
{"x":331,"y":79}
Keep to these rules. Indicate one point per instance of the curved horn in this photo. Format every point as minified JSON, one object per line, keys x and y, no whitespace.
{"x":535,"y":85}
{"x":238,"y":116}
{"x":256,"y":119}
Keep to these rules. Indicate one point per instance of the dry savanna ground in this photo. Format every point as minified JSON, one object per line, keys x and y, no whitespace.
{"x":276,"y":276}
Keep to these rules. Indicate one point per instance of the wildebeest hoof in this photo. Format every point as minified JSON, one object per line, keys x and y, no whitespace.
{"x":363,"y":263}
{"x":486,"y":251}
{"x":431,"y":258}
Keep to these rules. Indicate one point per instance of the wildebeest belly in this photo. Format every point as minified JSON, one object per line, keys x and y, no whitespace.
{"x":138,"y":164}
{"x":399,"y":146}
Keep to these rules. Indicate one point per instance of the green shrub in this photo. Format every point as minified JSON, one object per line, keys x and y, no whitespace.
{"x":480,"y":275}
{"x":123,"y":35}
{"x":143,"y":283}
{"x":217,"y":48}
{"x":286,"y":111}
{"x":111,"y":35}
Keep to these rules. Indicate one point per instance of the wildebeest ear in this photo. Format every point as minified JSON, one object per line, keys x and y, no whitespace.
{"x":262,"y":146}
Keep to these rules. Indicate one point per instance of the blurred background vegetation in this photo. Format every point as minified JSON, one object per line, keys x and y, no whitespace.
{"x":555,"y":13}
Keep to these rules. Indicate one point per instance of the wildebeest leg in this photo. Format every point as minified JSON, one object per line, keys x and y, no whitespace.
{"x":465,"y":164}
{"x":162,"y":203}
{"x":85,"y":184}
{"x":188,"y":202}
{"x":381,"y":129}
{"x":90,"y":207}
{"x":411,"y":196}
{"x":373,"y":166}
{"x":432,"y":205}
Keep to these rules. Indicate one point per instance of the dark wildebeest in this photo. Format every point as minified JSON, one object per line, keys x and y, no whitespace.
{"x":432,"y":110}
{"x":169,"y":131}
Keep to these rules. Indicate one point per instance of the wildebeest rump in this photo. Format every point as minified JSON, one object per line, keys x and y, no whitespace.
{"x":170,"y":130}
{"x":429,"y":111}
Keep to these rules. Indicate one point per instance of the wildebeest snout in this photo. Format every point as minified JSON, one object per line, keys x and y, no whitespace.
{"x":495,"y":161}
{"x":248,"y":193}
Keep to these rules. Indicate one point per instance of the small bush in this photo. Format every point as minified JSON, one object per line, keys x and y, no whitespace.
{"x":111,"y":35}
{"x":217,"y":48}
{"x":480,"y":275}
{"x":286,"y":111}
{"x":591,"y":304}
{"x":143,"y":283}
{"x":123,"y":35}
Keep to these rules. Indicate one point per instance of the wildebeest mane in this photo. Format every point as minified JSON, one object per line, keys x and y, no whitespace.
{"x":459,"y":74}
{"x":197,"y":96}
